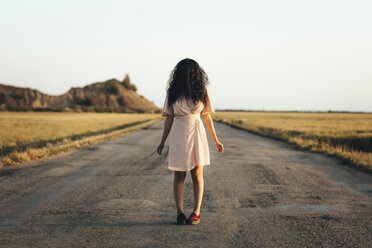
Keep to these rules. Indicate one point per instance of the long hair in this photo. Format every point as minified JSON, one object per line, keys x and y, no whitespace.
{"x":188,"y":80}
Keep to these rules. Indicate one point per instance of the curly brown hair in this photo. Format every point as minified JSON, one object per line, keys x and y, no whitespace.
{"x":187,"y":79}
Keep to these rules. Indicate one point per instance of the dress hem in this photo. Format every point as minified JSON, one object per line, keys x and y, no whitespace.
{"x":178,"y":169}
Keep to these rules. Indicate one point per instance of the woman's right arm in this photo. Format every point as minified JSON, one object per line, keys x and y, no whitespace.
{"x":167,"y":127}
{"x":209,"y":123}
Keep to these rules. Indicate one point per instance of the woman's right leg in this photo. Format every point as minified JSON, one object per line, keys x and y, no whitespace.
{"x":198,"y":183}
{"x":178,"y":182}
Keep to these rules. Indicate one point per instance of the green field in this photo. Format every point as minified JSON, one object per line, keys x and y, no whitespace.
{"x":23,"y":132}
{"x":345,"y":135}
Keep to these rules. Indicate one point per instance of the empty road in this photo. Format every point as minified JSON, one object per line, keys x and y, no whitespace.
{"x":258,"y":193}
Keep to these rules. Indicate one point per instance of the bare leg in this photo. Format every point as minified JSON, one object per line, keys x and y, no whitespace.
{"x":198,"y":183}
{"x":178,"y":182}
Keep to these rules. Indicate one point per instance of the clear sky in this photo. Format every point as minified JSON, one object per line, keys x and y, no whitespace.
{"x":261,"y":54}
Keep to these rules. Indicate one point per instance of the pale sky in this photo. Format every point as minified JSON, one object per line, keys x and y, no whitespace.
{"x":259,"y":55}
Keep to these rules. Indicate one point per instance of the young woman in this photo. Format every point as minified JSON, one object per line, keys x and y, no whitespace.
{"x":187,"y":98}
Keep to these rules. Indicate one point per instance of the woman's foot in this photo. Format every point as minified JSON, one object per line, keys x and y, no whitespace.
{"x":193,"y":219}
{"x":181,"y":219}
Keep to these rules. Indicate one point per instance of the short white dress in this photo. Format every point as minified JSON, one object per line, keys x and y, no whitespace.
{"x":188,"y":145}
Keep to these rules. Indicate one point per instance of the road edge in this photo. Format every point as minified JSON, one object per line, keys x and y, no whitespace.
{"x":347,"y":162}
{"x":33,"y":154}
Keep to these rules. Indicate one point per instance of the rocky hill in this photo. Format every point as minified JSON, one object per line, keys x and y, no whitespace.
{"x":109,"y":96}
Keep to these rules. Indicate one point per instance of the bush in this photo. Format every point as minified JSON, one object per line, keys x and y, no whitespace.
{"x":84,"y":101}
{"x":114,"y":89}
{"x":88,"y":101}
{"x":126,"y":81}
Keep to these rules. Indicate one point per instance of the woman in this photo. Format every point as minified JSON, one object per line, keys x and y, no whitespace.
{"x":187,"y":98}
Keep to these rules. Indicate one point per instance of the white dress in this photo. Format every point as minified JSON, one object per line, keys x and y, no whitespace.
{"x":188,"y":145}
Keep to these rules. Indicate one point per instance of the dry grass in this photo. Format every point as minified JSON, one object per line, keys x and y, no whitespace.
{"x":345,"y":135}
{"x":26,"y":136}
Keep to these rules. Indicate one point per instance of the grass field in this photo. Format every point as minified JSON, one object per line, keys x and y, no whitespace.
{"x":26,"y":135}
{"x":344,"y":135}
{"x":30,"y":135}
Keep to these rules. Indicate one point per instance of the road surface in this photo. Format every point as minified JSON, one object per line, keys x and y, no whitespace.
{"x":258,"y":193}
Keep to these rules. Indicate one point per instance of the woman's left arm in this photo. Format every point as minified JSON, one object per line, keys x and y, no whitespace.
{"x":209,"y":123}
{"x":167,"y":127}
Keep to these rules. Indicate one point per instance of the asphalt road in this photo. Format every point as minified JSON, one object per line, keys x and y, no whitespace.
{"x":258,"y":193}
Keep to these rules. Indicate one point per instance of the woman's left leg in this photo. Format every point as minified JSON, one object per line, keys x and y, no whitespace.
{"x":198,"y":183}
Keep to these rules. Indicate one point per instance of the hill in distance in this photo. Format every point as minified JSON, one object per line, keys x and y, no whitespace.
{"x":109,"y":96}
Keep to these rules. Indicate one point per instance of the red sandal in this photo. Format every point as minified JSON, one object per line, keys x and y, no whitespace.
{"x":193,"y":219}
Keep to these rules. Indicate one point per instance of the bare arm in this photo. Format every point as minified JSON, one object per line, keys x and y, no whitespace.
{"x":209,"y":123}
{"x":167,"y":127}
